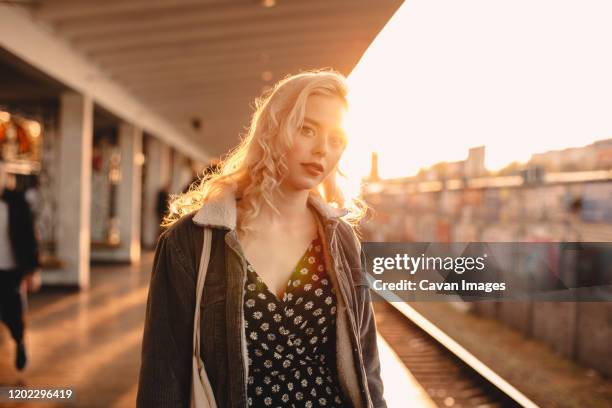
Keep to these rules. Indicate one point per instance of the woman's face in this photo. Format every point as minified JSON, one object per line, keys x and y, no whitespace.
{"x":318,"y":145}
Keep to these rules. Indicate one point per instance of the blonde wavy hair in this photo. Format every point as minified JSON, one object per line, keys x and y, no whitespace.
{"x":258,"y":165}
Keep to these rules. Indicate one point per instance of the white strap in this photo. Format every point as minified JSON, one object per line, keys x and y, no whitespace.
{"x":201,"y":392}
{"x":204,"y":260}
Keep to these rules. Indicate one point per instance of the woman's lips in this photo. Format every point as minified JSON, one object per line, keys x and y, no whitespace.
{"x":314,"y":169}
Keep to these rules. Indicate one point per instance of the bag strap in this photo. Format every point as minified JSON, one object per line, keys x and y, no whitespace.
{"x":204,"y":260}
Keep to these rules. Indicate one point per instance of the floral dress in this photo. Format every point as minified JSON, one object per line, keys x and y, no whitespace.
{"x":291,"y":342}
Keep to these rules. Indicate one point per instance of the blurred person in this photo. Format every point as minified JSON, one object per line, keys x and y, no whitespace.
{"x":19,"y":263}
{"x":286,"y":317}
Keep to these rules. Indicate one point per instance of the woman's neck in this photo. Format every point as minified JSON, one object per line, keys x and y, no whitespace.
{"x":293,"y":214}
{"x":292,"y":208}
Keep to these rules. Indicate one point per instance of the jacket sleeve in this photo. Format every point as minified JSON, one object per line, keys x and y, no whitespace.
{"x":369,"y":346}
{"x":165,"y":372}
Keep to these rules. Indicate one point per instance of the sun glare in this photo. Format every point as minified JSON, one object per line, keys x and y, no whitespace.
{"x":519,"y":77}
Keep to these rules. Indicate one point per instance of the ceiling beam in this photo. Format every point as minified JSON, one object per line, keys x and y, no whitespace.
{"x":220,"y":89}
{"x":244,"y":77}
{"x":119,"y":57}
{"x":309,"y":53}
{"x":220,"y":81}
{"x":204,"y":67}
{"x":219,"y":96}
{"x":218,"y":102}
{"x":226,"y":82}
{"x":74,"y":9}
{"x":222,"y":34}
{"x":40,"y":48}
{"x":249,"y":57}
{"x":204,"y":15}
{"x":239,"y":114}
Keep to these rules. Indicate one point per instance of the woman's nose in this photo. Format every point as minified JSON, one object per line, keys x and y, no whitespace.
{"x":321,"y":146}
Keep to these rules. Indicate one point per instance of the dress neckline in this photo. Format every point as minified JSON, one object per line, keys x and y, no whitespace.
{"x":294,"y":270}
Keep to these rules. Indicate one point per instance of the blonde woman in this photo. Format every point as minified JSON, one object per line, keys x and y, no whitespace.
{"x":286,"y":318}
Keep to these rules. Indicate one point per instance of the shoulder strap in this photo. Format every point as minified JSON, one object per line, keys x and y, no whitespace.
{"x":202,"y":395}
{"x":204,"y":260}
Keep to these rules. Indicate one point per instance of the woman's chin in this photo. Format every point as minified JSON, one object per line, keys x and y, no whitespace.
{"x":303,"y":183}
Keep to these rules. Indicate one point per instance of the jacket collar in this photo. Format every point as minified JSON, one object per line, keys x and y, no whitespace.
{"x":220,"y":211}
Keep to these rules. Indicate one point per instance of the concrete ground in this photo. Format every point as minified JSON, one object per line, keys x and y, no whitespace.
{"x":88,"y":341}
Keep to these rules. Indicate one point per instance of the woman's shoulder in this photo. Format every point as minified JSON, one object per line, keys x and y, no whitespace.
{"x":348,"y":233}
{"x":185,"y":238}
{"x":180,"y":227}
{"x":350,"y":245}
{"x":349,"y":240}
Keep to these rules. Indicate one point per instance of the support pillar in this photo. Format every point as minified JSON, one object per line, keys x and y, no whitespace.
{"x":130,"y":192}
{"x":74,"y":201}
{"x":128,"y":198}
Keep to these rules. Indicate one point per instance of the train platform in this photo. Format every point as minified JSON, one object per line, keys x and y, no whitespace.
{"x":90,"y":341}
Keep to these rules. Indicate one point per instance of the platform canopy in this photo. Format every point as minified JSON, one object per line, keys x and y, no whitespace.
{"x":187,"y":70}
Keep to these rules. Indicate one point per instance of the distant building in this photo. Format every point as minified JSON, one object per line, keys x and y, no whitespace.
{"x":475,"y":163}
{"x":455,"y":170}
{"x":604,"y":153}
{"x":596,"y":156}
{"x":473,"y":166}
{"x":374,"y":168}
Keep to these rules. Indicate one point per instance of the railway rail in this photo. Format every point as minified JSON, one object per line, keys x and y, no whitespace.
{"x":450,"y":374}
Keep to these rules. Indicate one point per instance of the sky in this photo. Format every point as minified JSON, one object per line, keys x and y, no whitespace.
{"x":518,"y":76}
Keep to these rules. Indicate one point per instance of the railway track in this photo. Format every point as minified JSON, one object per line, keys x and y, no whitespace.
{"x":449,"y":374}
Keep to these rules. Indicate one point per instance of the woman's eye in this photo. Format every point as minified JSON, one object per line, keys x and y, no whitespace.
{"x":307,"y":131}
{"x":337,"y":141}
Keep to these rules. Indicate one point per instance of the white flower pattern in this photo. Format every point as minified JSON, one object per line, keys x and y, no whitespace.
{"x":287,"y":341}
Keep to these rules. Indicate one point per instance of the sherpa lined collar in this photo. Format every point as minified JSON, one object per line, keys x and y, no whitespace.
{"x":220,"y":211}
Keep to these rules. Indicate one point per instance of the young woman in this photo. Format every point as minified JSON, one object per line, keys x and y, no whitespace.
{"x":285,"y":318}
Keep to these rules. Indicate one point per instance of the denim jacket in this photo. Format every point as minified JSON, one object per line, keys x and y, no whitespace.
{"x":166,"y":366}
